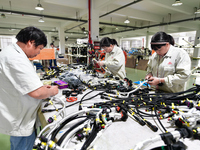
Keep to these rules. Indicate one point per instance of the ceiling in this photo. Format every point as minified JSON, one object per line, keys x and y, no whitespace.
{"x":146,"y":16}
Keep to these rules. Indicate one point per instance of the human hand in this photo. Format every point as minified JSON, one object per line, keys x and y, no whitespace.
{"x":54,"y":89}
{"x":100,"y":63}
{"x":153,"y":81}
{"x":47,"y":86}
{"x":148,"y":76}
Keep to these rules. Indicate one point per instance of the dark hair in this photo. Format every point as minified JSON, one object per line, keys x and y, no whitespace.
{"x":52,"y":44}
{"x":105,"y":42}
{"x":32,"y":33}
{"x":158,"y":38}
{"x":171,"y":40}
{"x":114,"y":42}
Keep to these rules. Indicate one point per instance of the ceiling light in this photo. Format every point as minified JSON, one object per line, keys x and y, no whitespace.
{"x":198,"y":11}
{"x":39,"y":6}
{"x":126,"y":21}
{"x":11,"y":29}
{"x":177,"y":3}
{"x":3,"y":16}
{"x":41,"y":20}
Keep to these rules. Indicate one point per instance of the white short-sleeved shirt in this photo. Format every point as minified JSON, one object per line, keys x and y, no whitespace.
{"x":18,"y":111}
{"x":174,"y":67}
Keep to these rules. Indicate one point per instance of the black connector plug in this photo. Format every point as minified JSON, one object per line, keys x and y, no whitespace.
{"x":50,"y":120}
{"x":152,"y":127}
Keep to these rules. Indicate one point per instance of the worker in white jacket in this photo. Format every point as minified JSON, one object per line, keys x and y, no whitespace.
{"x":169,"y":68}
{"x":114,"y":58}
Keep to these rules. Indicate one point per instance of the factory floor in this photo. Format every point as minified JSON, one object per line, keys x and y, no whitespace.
{"x":132,"y":74}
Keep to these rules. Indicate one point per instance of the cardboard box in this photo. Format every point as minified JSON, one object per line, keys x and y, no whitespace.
{"x":142,"y":64}
{"x":62,"y":60}
{"x":131,"y":61}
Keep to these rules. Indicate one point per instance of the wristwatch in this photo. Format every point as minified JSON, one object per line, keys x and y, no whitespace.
{"x":160,"y":83}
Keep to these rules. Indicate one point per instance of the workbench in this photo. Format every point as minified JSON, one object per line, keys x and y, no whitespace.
{"x":120,"y":135}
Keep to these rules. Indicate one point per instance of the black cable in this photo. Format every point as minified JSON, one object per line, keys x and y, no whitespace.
{"x":61,"y":126}
{"x":70,"y":129}
{"x":159,"y":119}
{"x":91,"y":137}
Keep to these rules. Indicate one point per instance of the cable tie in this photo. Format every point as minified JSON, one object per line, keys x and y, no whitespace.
{"x":103,"y":115}
{"x":86,"y":130}
{"x":194,"y":131}
{"x":51,"y":102}
{"x":181,"y":110}
{"x":97,"y":119}
{"x":54,"y":117}
{"x":51,"y":144}
{"x":172,"y":105}
{"x":44,"y":143}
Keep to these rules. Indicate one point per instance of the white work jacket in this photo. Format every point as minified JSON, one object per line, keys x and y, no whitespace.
{"x":115,"y":61}
{"x":174,"y":67}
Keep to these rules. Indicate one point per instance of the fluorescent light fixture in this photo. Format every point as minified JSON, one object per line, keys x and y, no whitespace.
{"x":11,"y":29}
{"x":3,"y":16}
{"x":41,"y":20}
{"x":177,"y":3}
{"x":198,"y":11}
{"x":126,"y":21}
{"x":39,"y":6}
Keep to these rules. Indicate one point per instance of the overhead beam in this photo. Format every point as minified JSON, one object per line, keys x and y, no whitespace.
{"x":119,"y":8}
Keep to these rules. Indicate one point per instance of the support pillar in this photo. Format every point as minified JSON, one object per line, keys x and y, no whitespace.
{"x":61,"y":40}
{"x":196,"y":53}
{"x":94,"y":20}
{"x":48,"y":40}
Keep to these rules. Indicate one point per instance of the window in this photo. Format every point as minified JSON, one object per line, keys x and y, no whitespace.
{"x":6,"y":40}
{"x":125,"y":45}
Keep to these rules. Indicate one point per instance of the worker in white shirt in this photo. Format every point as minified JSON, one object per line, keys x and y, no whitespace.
{"x":169,"y":68}
{"x":21,"y":90}
{"x":56,"y":55}
{"x":114,"y":58}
